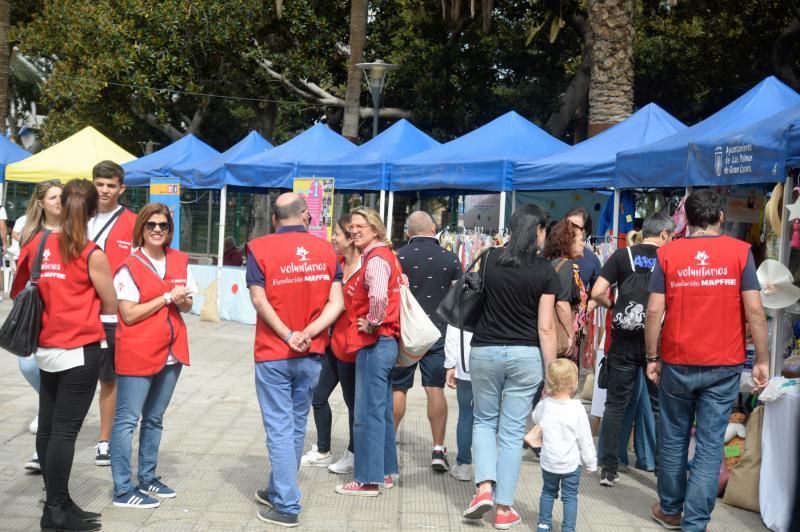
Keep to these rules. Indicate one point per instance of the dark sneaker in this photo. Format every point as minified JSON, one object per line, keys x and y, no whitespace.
{"x":102,"y":456}
{"x":33,"y":464}
{"x":439,"y":461}
{"x":607,"y":478}
{"x":262,"y":496}
{"x":670,"y":522}
{"x":158,"y":489}
{"x":273,"y":516}
{"x":136,"y":499}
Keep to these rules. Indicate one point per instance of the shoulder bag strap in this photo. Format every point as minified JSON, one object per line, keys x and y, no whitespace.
{"x":108,"y":223}
{"x":560,"y":265}
{"x":37,"y":263}
{"x":630,"y":257}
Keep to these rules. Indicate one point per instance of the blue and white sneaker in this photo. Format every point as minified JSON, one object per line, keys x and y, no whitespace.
{"x":158,"y":489}
{"x":136,"y":499}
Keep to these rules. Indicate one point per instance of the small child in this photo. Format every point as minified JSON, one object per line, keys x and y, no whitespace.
{"x":567,"y":441}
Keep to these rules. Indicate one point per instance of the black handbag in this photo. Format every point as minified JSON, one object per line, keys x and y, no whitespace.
{"x":20,"y":332}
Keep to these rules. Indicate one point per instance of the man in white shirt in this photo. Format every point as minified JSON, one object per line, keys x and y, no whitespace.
{"x":4,"y":236}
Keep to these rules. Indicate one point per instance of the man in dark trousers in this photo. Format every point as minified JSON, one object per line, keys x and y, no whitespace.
{"x":431,"y":270}
{"x":296,"y":287}
{"x":629,"y":270}
{"x":705,"y":290}
{"x":112,"y":230}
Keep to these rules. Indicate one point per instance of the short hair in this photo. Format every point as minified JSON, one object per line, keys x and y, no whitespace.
{"x":373,"y":219}
{"x":419,"y":222}
{"x":560,"y":240}
{"x":562,"y":376}
{"x":293,"y":209}
{"x":656,"y":223}
{"x":577,"y":211}
{"x":108,"y":170}
{"x":703,"y":208}
{"x":144,"y":215}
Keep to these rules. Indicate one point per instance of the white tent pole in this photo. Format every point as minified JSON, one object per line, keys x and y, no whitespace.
{"x":501,"y":222}
{"x":382,"y":204}
{"x":223,"y":206}
{"x":615,"y":218}
{"x":389,"y":216}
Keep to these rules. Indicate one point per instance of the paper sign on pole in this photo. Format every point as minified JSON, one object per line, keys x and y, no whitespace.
{"x":318,"y":193}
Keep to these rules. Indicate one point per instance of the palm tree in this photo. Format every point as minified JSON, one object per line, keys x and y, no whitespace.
{"x":611,"y":85}
{"x":358,"y":37}
{"x":5,"y":56}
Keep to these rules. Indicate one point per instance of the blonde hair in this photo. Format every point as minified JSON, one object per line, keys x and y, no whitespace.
{"x":562,"y":376}
{"x":373,"y":219}
{"x":634,"y":237}
{"x":35,"y":217}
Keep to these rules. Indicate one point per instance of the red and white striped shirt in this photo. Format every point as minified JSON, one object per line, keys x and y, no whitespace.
{"x":376,"y":278}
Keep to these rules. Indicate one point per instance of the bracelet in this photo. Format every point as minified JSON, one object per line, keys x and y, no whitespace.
{"x":289,"y":336}
{"x":653,"y":358}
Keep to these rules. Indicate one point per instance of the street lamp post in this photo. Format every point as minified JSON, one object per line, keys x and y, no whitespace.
{"x":376,"y":74}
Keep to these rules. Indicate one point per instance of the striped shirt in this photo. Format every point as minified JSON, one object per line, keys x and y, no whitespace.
{"x":376,"y":278}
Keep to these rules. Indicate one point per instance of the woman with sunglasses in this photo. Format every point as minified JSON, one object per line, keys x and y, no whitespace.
{"x":75,"y":287}
{"x":154,"y":285}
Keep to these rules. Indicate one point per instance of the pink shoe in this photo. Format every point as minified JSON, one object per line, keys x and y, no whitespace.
{"x":506,"y":521}
{"x":358,"y":489}
{"x":481,"y":504}
{"x":388,"y":482}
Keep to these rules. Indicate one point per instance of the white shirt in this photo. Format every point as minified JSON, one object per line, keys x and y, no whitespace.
{"x":95,"y":224}
{"x":128,"y":291}
{"x":452,"y":352}
{"x":567,"y":437}
{"x":3,"y":214}
{"x":19,"y":225}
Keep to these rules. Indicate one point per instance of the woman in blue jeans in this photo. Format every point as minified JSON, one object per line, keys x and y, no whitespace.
{"x":372,"y":304}
{"x":515,"y":331}
{"x":153,"y":286}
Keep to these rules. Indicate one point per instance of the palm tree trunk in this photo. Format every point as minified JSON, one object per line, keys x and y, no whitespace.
{"x":358,"y":36}
{"x":611,"y":86}
{"x":5,"y":57}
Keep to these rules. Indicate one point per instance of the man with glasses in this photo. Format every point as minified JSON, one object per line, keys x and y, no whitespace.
{"x":629,"y":269}
{"x":295,"y":285}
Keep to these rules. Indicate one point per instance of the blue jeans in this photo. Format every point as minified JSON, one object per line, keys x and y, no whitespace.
{"x":504,"y":381}
{"x":285,"y":389}
{"x":568,"y":482}
{"x":373,"y":430}
{"x":30,"y":370}
{"x":465,"y":420}
{"x":145,"y":397}
{"x":707,"y":394}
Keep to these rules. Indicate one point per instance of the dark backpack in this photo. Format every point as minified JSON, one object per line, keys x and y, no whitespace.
{"x":630,"y":308}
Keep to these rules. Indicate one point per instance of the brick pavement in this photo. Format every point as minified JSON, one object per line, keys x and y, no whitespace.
{"x":213,"y":454}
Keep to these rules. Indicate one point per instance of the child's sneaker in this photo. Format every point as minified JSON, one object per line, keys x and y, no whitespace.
{"x":508,"y":520}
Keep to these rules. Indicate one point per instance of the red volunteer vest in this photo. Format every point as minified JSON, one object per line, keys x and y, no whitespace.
{"x":704,"y":323}
{"x":143,"y":348}
{"x":356,"y":302}
{"x":341,"y":328}
{"x":118,"y":243}
{"x":71,"y":306}
{"x":299,"y":269}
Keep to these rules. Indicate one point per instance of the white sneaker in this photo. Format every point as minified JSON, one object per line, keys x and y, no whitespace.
{"x":314,"y":458}
{"x":344,"y":465}
{"x":461,"y":472}
{"x":33,"y":428}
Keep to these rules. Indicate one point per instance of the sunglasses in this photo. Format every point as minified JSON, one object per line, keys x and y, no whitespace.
{"x":151,"y":226}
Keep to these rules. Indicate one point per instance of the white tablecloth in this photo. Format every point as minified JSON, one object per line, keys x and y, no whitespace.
{"x":779,"y":440}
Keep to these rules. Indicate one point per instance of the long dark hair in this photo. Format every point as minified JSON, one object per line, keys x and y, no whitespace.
{"x":524,"y":226}
{"x":78,"y":205}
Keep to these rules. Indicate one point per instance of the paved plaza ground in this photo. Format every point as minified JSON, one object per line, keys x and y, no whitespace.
{"x":213,"y":453}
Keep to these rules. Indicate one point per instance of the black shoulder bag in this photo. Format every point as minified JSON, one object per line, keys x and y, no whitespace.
{"x":20,"y":332}
{"x":108,"y":223}
{"x":463,"y":304}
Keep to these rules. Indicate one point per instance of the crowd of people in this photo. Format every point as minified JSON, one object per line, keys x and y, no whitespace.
{"x":113,"y":292}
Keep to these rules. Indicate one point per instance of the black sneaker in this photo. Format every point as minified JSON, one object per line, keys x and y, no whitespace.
{"x":439,"y":461}
{"x":262,"y":496}
{"x":271,"y":515}
{"x":607,"y":478}
{"x":33,"y":464}
{"x":102,"y":456}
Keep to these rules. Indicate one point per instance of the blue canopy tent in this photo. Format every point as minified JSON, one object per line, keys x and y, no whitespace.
{"x":276,"y":168}
{"x":187,"y":150}
{"x":664,"y":163}
{"x":9,"y":153}
{"x":482,"y":160}
{"x":368,"y":166}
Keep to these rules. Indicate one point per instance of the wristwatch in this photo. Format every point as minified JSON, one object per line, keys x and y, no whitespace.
{"x":167,"y":298}
{"x":653,"y":358}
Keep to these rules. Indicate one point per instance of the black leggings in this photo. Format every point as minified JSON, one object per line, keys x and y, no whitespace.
{"x":333,"y":372}
{"x":64,"y":400}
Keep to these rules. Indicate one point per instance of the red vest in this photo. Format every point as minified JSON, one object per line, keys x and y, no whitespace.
{"x":71,"y":306}
{"x":704,"y":323}
{"x":143,"y":348}
{"x":299,"y":269}
{"x":341,"y":328}
{"x":118,"y":245}
{"x":356,"y":302}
